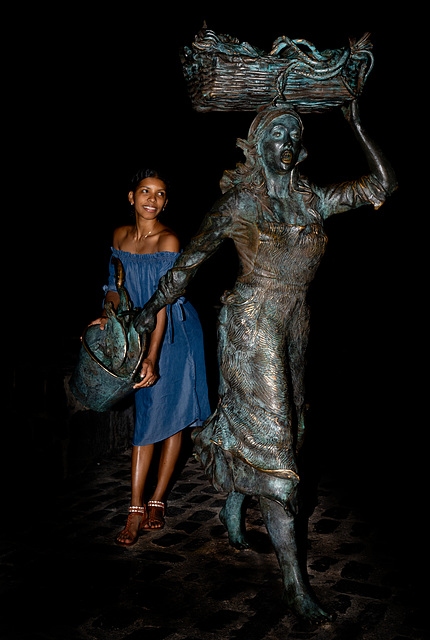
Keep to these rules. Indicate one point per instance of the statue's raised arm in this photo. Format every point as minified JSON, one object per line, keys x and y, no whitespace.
{"x":378,"y":163}
{"x":372,"y":188}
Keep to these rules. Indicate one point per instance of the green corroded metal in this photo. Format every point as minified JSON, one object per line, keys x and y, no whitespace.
{"x":223,"y":74}
{"x":109,"y":360}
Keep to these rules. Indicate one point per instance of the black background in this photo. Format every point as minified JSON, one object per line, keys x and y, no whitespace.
{"x":96,"y":92}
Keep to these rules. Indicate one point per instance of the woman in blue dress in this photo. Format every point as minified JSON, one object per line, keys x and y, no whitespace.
{"x":172,"y":393}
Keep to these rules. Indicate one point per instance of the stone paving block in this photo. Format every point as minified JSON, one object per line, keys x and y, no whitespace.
{"x":362,"y":589}
{"x":150,"y":633}
{"x":356,"y":570}
{"x":323,"y":564}
{"x":175,"y":511}
{"x":340,"y":513}
{"x":199,"y":499}
{"x":203,"y":515}
{"x":183,"y":488}
{"x":217,"y":531}
{"x":341,"y":603}
{"x":117,"y":618}
{"x":372,"y":614}
{"x":151,"y":571}
{"x":350,"y":548}
{"x":170,"y":539}
{"x":188,"y":527}
{"x":326,"y":526}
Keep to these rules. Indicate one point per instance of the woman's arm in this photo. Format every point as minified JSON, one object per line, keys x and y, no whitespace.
{"x":111,"y":296}
{"x":168,"y":241}
{"x":148,"y":372}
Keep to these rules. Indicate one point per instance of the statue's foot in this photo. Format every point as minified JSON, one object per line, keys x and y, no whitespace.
{"x":307,"y":609}
{"x":236,"y":535}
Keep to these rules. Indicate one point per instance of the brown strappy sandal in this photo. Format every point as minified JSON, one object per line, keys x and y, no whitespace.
{"x":141,"y":510}
{"x":156,"y":510}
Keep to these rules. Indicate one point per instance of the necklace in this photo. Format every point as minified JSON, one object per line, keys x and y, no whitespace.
{"x":149,"y":232}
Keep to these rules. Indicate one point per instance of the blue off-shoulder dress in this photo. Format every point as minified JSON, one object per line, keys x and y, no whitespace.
{"x":179,"y":398}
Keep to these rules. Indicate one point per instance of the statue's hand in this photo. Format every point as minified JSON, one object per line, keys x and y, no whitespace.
{"x":351,"y":112}
{"x":145,"y":321}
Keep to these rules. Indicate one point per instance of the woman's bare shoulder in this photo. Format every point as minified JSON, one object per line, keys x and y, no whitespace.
{"x":120,"y":235}
{"x":168,"y":241}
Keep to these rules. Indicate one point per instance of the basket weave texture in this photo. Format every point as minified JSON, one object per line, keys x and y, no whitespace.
{"x":225,"y":75}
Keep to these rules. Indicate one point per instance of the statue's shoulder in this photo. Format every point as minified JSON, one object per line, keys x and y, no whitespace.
{"x":303,"y":184}
{"x":239,"y":203}
{"x":309,"y":191}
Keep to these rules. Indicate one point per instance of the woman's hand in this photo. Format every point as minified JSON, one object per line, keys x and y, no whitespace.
{"x":156,"y":324}
{"x":101,"y":321}
{"x":147,"y":374}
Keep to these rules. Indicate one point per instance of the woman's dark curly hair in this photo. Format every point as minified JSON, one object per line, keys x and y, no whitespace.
{"x":142,"y":174}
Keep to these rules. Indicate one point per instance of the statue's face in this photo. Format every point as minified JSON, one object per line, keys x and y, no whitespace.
{"x":280,"y":144}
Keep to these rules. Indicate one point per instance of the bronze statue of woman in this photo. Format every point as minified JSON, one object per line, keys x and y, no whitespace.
{"x":275,"y":217}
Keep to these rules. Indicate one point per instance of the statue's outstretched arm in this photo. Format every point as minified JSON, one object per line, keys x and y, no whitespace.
{"x":172,"y":285}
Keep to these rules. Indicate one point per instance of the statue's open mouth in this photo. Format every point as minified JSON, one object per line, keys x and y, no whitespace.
{"x":286,"y":157}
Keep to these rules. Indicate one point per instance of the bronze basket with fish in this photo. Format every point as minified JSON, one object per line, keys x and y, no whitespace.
{"x":223,"y":74}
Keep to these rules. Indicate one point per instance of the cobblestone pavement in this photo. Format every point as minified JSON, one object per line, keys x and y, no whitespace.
{"x":65,"y":579}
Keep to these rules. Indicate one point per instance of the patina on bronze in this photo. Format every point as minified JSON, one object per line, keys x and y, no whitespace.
{"x":109,"y":360}
{"x":275,"y":217}
{"x":223,"y":74}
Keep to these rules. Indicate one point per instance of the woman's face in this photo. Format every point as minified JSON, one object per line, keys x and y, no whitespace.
{"x":149,"y":199}
{"x":280,"y":144}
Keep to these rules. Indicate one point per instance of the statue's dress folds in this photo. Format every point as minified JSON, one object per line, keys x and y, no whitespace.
{"x":247,"y":444}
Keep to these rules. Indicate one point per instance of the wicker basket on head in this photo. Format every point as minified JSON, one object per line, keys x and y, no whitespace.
{"x":223,"y":74}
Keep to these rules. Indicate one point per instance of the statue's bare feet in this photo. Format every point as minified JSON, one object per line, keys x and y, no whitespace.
{"x":231,"y":517}
{"x":307,"y":609}
{"x":236,"y":536}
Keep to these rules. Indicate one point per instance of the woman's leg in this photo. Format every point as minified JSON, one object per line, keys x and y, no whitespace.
{"x":140,"y":463}
{"x":170,"y":451}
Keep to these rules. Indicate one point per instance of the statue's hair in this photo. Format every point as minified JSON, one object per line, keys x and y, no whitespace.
{"x":251,"y":174}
